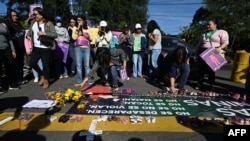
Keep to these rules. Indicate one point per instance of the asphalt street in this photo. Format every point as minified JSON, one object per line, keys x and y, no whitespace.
{"x":12,"y":101}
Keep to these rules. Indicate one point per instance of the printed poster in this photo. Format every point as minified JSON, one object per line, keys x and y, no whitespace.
{"x":214,"y":60}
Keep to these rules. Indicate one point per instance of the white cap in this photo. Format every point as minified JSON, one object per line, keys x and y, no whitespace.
{"x":103,"y":24}
{"x":138,"y":25}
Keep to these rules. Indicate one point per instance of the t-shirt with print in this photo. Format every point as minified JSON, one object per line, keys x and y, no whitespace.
{"x":156,"y":45}
{"x":137,"y":43}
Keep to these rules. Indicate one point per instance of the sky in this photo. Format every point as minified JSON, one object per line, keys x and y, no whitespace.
{"x":171,"y":15}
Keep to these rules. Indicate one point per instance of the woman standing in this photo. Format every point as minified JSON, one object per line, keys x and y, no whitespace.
{"x":212,"y":38}
{"x":40,"y":51}
{"x":138,"y":51}
{"x":154,"y":46}
{"x":17,"y":34}
{"x":82,"y":49}
{"x":7,"y":56}
{"x":72,"y":30}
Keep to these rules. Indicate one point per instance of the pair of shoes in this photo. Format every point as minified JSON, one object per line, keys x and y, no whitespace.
{"x":36,"y":79}
{"x":14,"y":87}
{"x":72,"y":74}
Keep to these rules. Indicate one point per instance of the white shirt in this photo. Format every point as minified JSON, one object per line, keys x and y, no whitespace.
{"x":35,"y":29}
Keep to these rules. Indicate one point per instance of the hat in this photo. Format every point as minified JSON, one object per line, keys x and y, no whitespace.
{"x":138,"y":25}
{"x":103,"y":24}
{"x":58,"y":19}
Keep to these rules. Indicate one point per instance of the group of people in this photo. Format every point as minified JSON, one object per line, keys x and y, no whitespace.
{"x":73,"y":47}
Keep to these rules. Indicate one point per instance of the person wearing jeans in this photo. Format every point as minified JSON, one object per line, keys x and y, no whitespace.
{"x":154,"y":45}
{"x":82,"y":57}
{"x":35,"y":74}
{"x":139,"y":44}
{"x":184,"y":70}
{"x":82,"y":49}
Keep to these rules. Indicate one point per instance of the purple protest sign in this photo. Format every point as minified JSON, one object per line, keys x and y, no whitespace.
{"x":61,"y":51}
{"x":214,"y":60}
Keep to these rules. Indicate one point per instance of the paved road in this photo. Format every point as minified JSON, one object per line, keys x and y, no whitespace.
{"x":12,"y":101}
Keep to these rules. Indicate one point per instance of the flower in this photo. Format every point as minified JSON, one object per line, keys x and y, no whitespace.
{"x":62,"y":97}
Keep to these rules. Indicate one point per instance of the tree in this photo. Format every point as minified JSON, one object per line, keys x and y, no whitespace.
{"x":232,"y":16}
{"x":118,"y":13}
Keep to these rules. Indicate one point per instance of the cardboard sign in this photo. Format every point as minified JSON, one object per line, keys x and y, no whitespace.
{"x":214,"y":60}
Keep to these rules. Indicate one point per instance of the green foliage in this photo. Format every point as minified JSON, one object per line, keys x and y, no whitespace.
{"x":118,"y":13}
{"x":231,"y":15}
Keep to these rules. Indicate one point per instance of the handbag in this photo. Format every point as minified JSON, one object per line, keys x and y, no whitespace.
{"x":44,"y":39}
{"x":123,"y":74}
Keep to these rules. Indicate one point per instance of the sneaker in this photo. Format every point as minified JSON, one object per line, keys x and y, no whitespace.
{"x":23,"y":82}
{"x":14,"y":87}
{"x":106,"y":84}
{"x":61,"y":77}
{"x":127,"y":78}
{"x":115,"y":88}
{"x":36,"y":79}
{"x":72,"y":74}
{"x":65,"y":76}
{"x":90,"y":82}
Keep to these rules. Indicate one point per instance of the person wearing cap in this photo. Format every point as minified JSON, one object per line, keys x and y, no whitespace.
{"x":61,"y":52}
{"x":139,"y":45}
{"x":104,"y":36}
{"x":125,"y":40}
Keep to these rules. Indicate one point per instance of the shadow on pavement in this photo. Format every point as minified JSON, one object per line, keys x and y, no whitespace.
{"x":76,"y":136}
{"x":13,"y":102}
{"x":30,"y":133}
{"x":208,"y":129}
{"x":135,"y":139}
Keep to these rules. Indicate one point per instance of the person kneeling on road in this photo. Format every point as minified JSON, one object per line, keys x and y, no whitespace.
{"x":108,"y":60}
{"x":172,"y":65}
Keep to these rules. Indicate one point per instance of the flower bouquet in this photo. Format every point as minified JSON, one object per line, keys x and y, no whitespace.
{"x":62,"y":97}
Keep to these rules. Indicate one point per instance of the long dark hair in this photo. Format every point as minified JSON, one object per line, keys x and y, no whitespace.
{"x":180,"y":54}
{"x":152,"y":25}
{"x":85,"y":26}
{"x":103,"y":55}
{"x":41,"y":12}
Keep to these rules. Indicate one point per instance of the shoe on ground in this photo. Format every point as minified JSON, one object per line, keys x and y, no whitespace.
{"x":61,"y":77}
{"x":14,"y":87}
{"x":90,"y":82}
{"x":23,"y":82}
{"x":115,"y":88}
{"x":36,"y":80}
{"x":65,"y":76}
{"x":72,"y":74}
